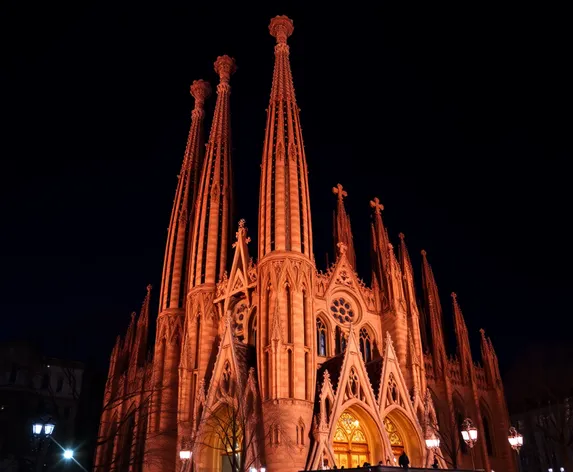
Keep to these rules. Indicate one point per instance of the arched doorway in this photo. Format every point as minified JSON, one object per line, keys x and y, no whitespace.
{"x":351,"y":443}
{"x":404,"y":437}
{"x":396,"y":441}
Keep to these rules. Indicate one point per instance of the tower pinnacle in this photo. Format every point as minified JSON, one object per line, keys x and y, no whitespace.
{"x":342,"y":230}
{"x":174,"y":283}
{"x":284,"y":205}
{"x":211,"y":231}
{"x":281,"y":28}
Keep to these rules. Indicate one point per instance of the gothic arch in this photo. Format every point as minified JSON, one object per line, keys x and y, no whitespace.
{"x":367,"y":342}
{"x":412,"y":440}
{"x":370,"y":426}
{"x":322,"y":335}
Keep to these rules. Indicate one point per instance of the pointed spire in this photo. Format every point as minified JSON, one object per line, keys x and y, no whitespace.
{"x":211,"y":231}
{"x":410,"y":291}
{"x":113,"y":359}
{"x":138,"y":354}
{"x":380,"y":253}
{"x":434,"y":311}
{"x":173,"y":283}
{"x":342,"y":229}
{"x":463,"y":340}
{"x":284,"y":205}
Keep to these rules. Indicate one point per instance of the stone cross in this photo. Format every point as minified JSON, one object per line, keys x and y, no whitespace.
{"x":339,"y":190}
{"x":378,"y":207}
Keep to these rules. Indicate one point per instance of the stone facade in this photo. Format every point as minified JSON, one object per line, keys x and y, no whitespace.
{"x":274,"y":363}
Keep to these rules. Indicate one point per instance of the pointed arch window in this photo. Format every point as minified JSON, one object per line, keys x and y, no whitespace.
{"x":253,"y":329}
{"x":321,"y":337}
{"x":340,"y":339}
{"x":365,"y":345}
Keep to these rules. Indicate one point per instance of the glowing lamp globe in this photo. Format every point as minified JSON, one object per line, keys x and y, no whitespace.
{"x":185,"y":455}
{"x":37,"y":428}
{"x":49,"y":428}
{"x":68,"y":454}
{"x":433,"y":443}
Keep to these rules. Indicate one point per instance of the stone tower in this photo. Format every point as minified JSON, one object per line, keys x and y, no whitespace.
{"x":208,"y":257}
{"x":162,"y":444}
{"x":285,"y":349}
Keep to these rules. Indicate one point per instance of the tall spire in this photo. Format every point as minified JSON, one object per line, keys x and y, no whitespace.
{"x":173,"y":283}
{"x":380,"y":254}
{"x":342,"y":229}
{"x":416,"y":327}
{"x":434,"y":310}
{"x":211,"y":230}
{"x":410,"y":290}
{"x":138,"y":355}
{"x":463,"y":340}
{"x":284,"y":205}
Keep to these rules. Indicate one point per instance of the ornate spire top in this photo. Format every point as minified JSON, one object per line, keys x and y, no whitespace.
{"x":343,"y":239}
{"x":423,"y":252}
{"x":225,"y":66}
{"x":339,"y":190}
{"x":200,"y":91}
{"x":281,"y":28}
{"x":176,"y":261}
{"x":284,"y":201}
{"x":376,"y":205}
{"x":454,"y":296}
{"x":212,"y":224}
{"x":401,"y":236}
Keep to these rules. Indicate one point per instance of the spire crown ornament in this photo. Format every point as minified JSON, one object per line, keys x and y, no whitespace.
{"x":200,"y":91}
{"x":225,"y":66}
{"x":339,"y":191}
{"x":376,"y":205}
{"x":281,"y":27}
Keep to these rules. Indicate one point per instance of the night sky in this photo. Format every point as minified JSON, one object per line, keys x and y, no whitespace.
{"x":458,"y":120}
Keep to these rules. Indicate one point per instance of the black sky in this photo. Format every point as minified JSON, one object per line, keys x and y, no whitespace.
{"x":458,"y":119}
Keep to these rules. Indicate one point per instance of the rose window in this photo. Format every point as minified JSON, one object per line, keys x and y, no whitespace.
{"x":342,"y":310}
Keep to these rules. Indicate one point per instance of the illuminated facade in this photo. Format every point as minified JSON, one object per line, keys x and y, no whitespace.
{"x":272,"y":362}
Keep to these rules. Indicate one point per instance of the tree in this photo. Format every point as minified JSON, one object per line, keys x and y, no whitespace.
{"x":231,"y":423}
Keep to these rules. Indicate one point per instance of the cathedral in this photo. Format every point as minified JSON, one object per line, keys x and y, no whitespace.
{"x":268,"y":362}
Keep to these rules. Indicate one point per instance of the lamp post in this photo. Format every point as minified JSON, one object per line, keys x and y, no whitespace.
{"x":185,"y":455}
{"x":470,"y":436}
{"x":42,"y":431}
{"x":433,"y":444}
{"x":515,"y":441}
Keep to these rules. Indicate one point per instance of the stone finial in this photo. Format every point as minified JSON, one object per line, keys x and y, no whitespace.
{"x":200,"y":90}
{"x":281,"y":28}
{"x":423,"y":252}
{"x":225,"y":66}
{"x":149,"y":287}
{"x":454,"y":296}
{"x":339,"y":190}
{"x":242,"y":223}
{"x":376,"y":205}
{"x":342,"y":248}
{"x":401,"y":236}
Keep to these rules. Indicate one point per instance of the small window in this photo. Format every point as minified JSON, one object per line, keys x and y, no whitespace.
{"x":320,"y":337}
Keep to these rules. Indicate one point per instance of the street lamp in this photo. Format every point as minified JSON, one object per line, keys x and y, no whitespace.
{"x":515,"y":439}
{"x":185,"y":456}
{"x":470,"y":435}
{"x":42,"y":432}
{"x":68,"y":454}
{"x":433,"y":444}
